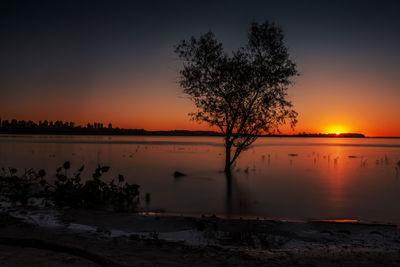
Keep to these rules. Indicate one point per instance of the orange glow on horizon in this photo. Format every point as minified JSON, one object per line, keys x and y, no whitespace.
{"x":167,"y":109}
{"x":176,"y":120}
{"x":336,"y":129}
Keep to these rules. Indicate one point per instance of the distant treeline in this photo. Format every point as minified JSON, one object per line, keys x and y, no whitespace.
{"x":96,"y":128}
{"x":22,"y":124}
{"x":69,"y":128}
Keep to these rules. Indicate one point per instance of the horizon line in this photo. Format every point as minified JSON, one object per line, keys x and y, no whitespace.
{"x":43,"y":124}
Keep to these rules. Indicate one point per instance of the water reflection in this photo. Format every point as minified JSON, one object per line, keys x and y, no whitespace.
{"x":229,"y":209}
{"x":299,"y":178}
{"x":237,"y":197}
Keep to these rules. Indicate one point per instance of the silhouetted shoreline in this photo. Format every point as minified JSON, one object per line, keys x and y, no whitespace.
{"x":68,"y":128}
{"x":136,"y":132}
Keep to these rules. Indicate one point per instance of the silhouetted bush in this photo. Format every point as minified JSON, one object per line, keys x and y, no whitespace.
{"x":69,"y":191}
{"x":15,"y":188}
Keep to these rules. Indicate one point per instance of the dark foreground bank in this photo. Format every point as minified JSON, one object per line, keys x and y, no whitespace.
{"x":100,"y":238}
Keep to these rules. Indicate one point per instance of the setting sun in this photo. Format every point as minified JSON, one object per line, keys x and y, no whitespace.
{"x":336,"y":129}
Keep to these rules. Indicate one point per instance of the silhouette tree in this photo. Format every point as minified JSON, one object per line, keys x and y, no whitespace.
{"x":243,"y":93}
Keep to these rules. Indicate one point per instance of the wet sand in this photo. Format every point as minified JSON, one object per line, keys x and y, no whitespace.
{"x":121,"y":239}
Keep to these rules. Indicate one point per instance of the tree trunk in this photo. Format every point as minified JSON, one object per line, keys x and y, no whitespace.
{"x":227,"y":159}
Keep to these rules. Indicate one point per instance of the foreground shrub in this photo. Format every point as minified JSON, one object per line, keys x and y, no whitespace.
{"x":69,"y":191}
{"x":15,"y":188}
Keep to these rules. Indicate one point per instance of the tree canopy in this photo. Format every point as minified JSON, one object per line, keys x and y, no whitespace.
{"x":243,"y":93}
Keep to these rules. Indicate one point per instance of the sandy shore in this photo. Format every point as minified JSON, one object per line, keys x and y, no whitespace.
{"x":89,"y":238}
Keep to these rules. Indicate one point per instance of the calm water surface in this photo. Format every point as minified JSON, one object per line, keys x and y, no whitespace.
{"x":292,"y":178}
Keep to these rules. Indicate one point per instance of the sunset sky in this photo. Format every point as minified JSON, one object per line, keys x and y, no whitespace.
{"x":113,"y":61}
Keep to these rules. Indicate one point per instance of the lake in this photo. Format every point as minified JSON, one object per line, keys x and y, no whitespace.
{"x":285,"y":178}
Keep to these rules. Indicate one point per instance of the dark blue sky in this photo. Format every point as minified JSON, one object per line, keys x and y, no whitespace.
{"x":54,"y":54}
